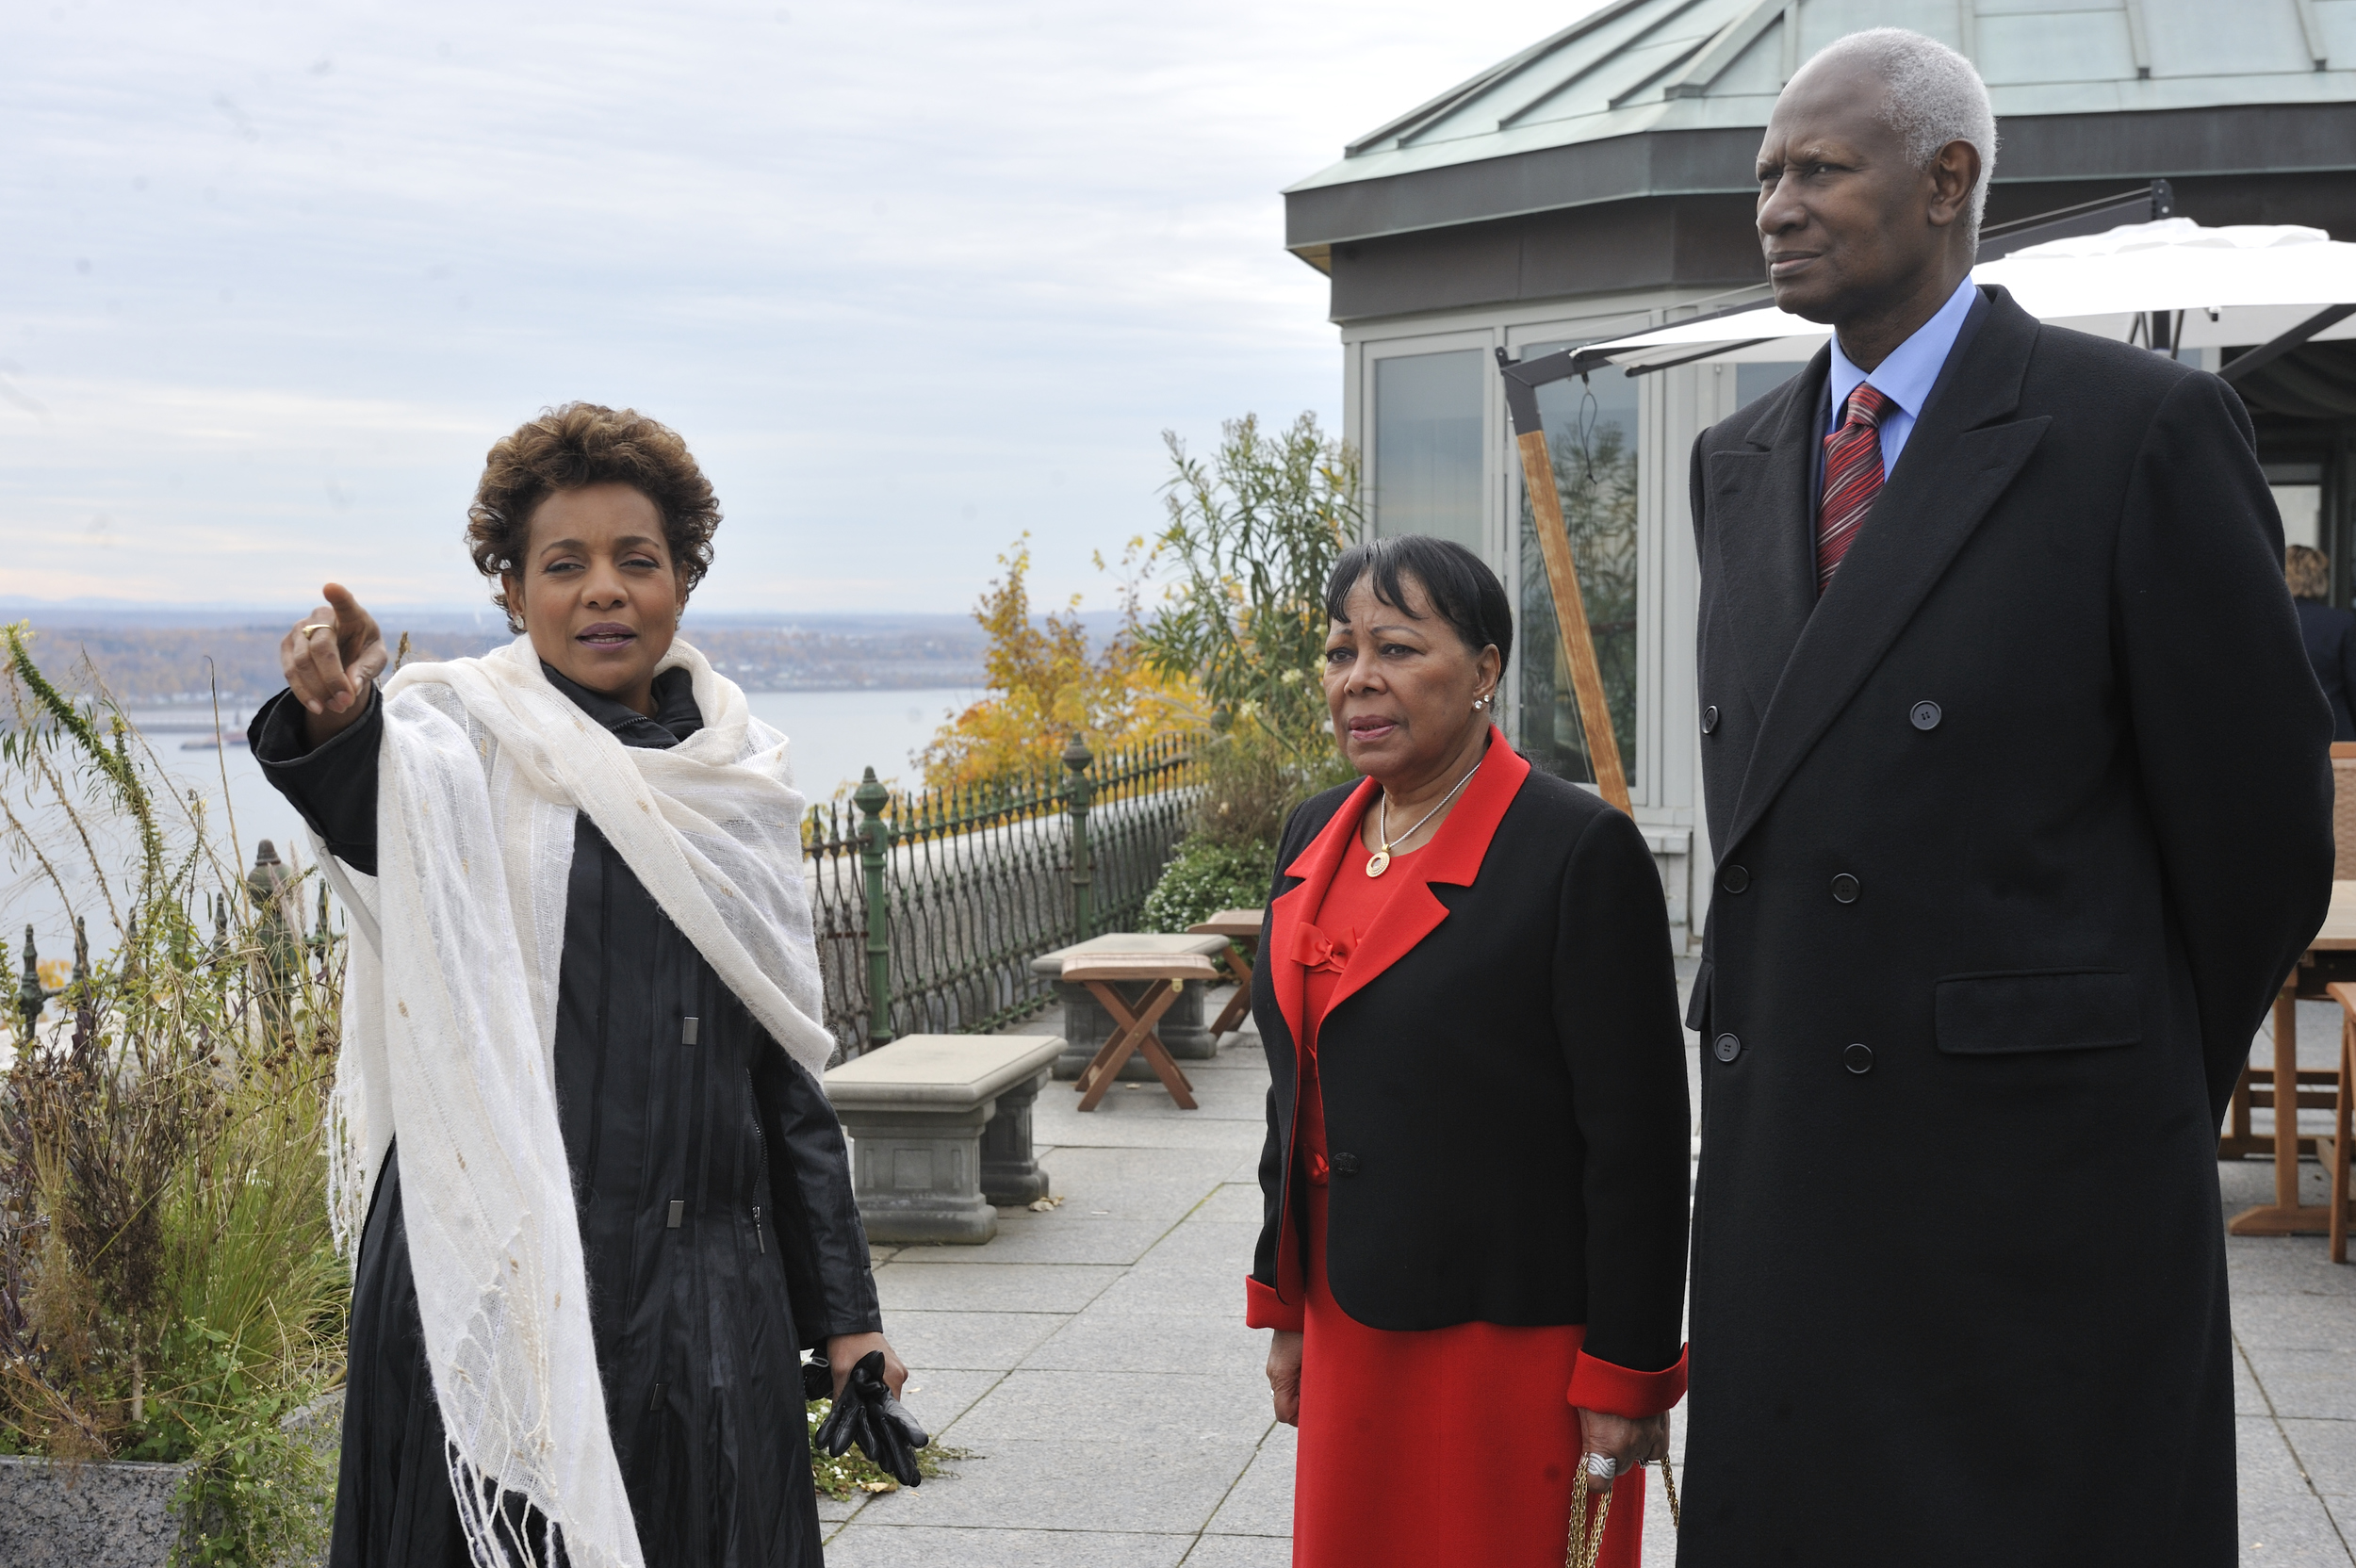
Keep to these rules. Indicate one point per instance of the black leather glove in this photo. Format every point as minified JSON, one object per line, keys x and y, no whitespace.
{"x":867,"y":1415}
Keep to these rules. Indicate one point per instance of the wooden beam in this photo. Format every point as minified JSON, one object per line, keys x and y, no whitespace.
{"x":1570,"y":615}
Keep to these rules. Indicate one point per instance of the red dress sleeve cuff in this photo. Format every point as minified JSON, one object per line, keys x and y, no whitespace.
{"x":1264,"y":1309}
{"x":1613,"y":1390}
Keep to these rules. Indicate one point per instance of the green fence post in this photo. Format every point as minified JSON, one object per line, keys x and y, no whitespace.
{"x":875,"y":844}
{"x":1077,"y":757}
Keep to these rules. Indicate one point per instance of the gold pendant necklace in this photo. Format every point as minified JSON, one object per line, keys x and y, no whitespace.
{"x":1380,"y":862}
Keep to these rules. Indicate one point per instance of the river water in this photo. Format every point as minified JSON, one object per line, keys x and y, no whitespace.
{"x":834,"y":736}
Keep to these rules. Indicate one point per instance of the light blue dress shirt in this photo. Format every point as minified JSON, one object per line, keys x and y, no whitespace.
{"x":1905,"y":377}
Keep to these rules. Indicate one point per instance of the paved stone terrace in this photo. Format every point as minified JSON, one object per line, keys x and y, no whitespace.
{"x":1093,"y":1358}
{"x":2295,"y":1344}
{"x":1093,"y":1361}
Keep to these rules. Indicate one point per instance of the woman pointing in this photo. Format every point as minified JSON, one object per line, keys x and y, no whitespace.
{"x":603,"y":1203}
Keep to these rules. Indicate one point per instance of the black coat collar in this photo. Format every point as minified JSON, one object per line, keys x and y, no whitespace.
{"x":1961,"y":456}
{"x":675,"y":715}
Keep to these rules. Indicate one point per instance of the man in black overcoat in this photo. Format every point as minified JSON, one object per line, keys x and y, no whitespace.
{"x":2018,"y":788}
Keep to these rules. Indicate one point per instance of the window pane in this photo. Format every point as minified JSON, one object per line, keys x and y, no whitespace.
{"x":2301,"y":506}
{"x":1591,"y":429}
{"x":1427,"y":446}
{"x":1754,"y":381}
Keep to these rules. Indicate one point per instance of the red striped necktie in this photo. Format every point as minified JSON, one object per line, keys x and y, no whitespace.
{"x":1853,"y":476}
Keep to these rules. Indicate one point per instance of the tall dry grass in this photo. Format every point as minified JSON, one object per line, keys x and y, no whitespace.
{"x":168,"y":1285}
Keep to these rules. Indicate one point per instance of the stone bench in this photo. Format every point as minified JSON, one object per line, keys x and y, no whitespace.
{"x":1087,"y":1025}
{"x":940,"y":1128}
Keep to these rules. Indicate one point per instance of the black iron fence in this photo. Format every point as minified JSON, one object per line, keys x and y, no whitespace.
{"x":930,"y":904}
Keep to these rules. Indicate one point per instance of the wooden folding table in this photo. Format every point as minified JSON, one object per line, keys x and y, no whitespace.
{"x":1133,"y":1029}
{"x":1241,"y":928}
{"x":2329,"y":956}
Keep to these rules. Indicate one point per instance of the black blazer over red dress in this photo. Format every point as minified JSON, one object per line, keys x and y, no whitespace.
{"x":1504,"y":1083}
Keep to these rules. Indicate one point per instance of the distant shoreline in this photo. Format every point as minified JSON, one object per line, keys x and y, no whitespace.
{"x":152,"y":660}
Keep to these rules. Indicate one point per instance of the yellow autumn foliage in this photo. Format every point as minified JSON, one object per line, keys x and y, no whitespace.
{"x":1045,"y":682}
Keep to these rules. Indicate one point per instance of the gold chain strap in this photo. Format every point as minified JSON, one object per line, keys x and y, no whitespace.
{"x":1588,"y":1515}
{"x":1587,"y":1523}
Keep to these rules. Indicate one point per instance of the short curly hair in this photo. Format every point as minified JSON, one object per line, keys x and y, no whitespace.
{"x":580,"y":445}
{"x":2308,"y":571}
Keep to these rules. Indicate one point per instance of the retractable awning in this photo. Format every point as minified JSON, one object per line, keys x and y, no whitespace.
{"x":2167,"y":283}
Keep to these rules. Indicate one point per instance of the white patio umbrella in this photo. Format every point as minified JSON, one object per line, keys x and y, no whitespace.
{"x":2245,"y":284}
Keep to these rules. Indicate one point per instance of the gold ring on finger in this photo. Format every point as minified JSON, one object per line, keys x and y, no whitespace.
{"x":309,"y":626}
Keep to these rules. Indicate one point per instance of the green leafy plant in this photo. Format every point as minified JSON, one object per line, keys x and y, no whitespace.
{"x":1254,"y":535}
{"x":168,"y":1287}
{"x":1204,"y":878}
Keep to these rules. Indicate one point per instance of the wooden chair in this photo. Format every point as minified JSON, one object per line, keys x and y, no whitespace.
{"x":1241,"y":928}
{"x":2316,"y":1088}
{"x":1133,"y":1028}
{"x":2344,"y":810}
{"x":2335,"y":1147}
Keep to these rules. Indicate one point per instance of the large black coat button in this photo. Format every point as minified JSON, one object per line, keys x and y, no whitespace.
{"x":1347,"y":1165}
{"x":1710,"y":719}
{"x":1924,"y":714}
{"x":1859,"y":1059}
{"x":1845,"y":889}
{"x":1726,"y":1048}
{"x":1734,"y":879}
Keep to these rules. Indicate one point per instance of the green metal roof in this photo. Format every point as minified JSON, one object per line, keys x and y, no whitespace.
{"x":1634,"y":67}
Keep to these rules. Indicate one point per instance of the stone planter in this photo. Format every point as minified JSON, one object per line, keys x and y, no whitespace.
{"x":1086,"y":1026}
{"x":118,"y":1515}
{"x":111,"y":1515}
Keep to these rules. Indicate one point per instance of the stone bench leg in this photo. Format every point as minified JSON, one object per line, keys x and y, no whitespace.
{"x":916,"y":1171}
{"x":1010,"y":1172}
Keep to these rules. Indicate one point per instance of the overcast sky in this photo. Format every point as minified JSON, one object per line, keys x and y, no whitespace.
{"x":910,"y":276}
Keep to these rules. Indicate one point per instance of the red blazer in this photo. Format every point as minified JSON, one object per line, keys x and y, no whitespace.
{"x":1504,"y":1083}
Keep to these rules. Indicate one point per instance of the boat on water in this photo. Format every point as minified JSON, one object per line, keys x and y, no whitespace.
{"x":232,"y":738}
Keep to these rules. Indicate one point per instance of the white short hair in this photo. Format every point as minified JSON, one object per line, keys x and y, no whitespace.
{"x":1934,"y":97}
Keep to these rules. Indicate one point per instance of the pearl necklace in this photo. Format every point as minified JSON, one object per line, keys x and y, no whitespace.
{"x":1380,"y":862}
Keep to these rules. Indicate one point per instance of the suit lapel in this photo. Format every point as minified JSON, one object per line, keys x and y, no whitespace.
{"x":1961,"y":456}
{"x":1759,"y":533}
{"x":1453,"y":855}
{"x":1315,"y":866}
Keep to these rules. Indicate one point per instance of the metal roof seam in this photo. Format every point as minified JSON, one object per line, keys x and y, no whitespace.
{"x":1433,"y":108}
{"x":2036,"y":64}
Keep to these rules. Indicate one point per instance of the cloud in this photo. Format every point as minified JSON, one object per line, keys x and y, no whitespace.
{"x":877,"y":260}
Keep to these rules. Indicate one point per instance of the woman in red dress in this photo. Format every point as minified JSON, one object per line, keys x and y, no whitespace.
{"x":1474,"y":1174}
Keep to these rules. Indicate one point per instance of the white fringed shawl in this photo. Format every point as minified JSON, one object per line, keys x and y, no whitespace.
{"x":450,"y":1033}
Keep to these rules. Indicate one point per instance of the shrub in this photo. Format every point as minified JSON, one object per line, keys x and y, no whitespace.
{"x":1203,"y":878}
{"x":1255,"y":534}
{"x":168,"y":1285}
{"x":1250,"y":784}
{"x":1046,"y":681}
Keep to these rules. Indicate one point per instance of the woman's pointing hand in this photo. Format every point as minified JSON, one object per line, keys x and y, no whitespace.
{"x":332,"y":658}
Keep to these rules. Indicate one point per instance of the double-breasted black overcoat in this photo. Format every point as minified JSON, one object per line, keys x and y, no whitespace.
{"x":2018,"y":830}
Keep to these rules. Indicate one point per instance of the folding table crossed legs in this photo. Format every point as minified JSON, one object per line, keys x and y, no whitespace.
{"x":1241,"y":928}
{"x":1133,"y":1028}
